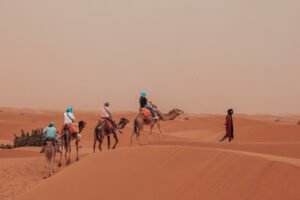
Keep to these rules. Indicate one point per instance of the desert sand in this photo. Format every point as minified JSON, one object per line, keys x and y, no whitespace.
{"x":188,"y":163}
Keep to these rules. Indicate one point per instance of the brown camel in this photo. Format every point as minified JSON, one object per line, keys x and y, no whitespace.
{"x":142,"y":120}
{"x":50,"y":154}
{"x":103,"y":130}
{"x":66,"y":139}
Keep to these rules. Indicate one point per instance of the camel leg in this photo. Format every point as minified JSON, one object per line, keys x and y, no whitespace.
{"x":69,"y":160}
{"x":61,"y":153}
{"x":77,"y":150}
{"x":138,"y":138}
{"x":49,"y":167}
{"x":48,"y":164}
{"x":159,"y":128}
{"x":131,"y":139}
{"x":69,"y":155}
{"x":116,"y":140}
{"x":100,"y":146}
{"x":94,"y":147}
{"x":150,"y":133}
{"x":51,"y":163}
{"x":95,"y":142}
{"x":54,"y":162}
{"x":108,"y":142}
{"x":66,"y":154}
{"x":100,"y":142}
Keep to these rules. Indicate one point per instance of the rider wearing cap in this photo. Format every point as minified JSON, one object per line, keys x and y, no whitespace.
{"x":50,"y":134}
{"x":106,"y":114}
{"x":145,"y":103}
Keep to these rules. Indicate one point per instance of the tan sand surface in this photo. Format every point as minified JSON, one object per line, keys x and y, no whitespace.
{"x":188,"y":163}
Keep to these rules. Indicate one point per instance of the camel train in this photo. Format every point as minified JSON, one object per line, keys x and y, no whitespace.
{"x":143,"y":118}
{"x":103,"y":130}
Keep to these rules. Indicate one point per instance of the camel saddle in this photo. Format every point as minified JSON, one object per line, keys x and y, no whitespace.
{"x":146,"y":112}
{"x":73,"y":129}
{"x":108,"y":123}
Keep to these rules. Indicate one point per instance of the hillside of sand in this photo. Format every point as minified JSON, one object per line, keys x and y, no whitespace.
{"x":188,"y":163}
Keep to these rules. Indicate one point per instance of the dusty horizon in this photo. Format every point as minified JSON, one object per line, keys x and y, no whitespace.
{"x":200,"y":56}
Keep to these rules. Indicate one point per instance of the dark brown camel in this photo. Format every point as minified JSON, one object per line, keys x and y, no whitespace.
{"x":66,"y":139}
{"x":142,"y":120}
{"x":103,"y":130}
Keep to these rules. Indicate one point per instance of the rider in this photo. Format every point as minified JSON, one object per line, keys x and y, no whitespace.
{"x":145,"y":103}
{"x":50,"y":134}
{"x":69,"y":119}
{"x":106,"y":114}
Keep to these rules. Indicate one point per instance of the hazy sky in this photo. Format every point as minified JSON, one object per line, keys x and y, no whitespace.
{"x":199,"y":55}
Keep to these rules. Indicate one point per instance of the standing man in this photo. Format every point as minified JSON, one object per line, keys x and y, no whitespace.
{"x":229,"y":126}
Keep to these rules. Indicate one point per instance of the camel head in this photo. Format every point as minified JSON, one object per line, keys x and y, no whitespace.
{"x":178,"y":111}
{"x":81,"y":125}
{"x":175,"y":113}
{"x":122,"y":123}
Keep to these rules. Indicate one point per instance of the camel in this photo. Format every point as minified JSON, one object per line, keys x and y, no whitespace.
{"x":50,"y":154}
{"x":103,"y":130}
{"x":66,"y":140}
{"x":142,"y":120}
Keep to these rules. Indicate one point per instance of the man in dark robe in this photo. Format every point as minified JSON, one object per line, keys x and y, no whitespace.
{"x":229,"y":126}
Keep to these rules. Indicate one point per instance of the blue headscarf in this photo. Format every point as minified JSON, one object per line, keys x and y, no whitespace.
{"x":70,"y":110}
{"x":143,"y":94}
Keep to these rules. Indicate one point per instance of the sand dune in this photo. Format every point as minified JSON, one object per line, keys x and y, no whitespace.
{"x":188,"y":163}
{"x":172,"y":172}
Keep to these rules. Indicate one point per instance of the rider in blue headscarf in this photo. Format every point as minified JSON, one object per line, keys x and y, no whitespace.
{"x":145,"y":103}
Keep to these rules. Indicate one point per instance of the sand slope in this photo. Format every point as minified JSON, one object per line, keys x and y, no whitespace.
{"x":171,"y":172}
{"x":188,"y":163}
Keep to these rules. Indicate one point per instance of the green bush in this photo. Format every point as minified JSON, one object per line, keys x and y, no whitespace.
{"x":26,"y":140}
{"x":6,"y":146}
{"x":34,"y":139}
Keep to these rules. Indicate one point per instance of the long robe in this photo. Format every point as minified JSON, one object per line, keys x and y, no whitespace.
{"x":229,"y":126}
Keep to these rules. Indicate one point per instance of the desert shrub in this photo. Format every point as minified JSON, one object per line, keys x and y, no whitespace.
{"x":25,"y":139}
{"x":6,"y":146}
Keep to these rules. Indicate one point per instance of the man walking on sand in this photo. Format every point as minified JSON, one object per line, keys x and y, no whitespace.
{"x":229,"y":126}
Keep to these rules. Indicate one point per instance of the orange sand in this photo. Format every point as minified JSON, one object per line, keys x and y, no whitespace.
{"x":188,"y":163}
